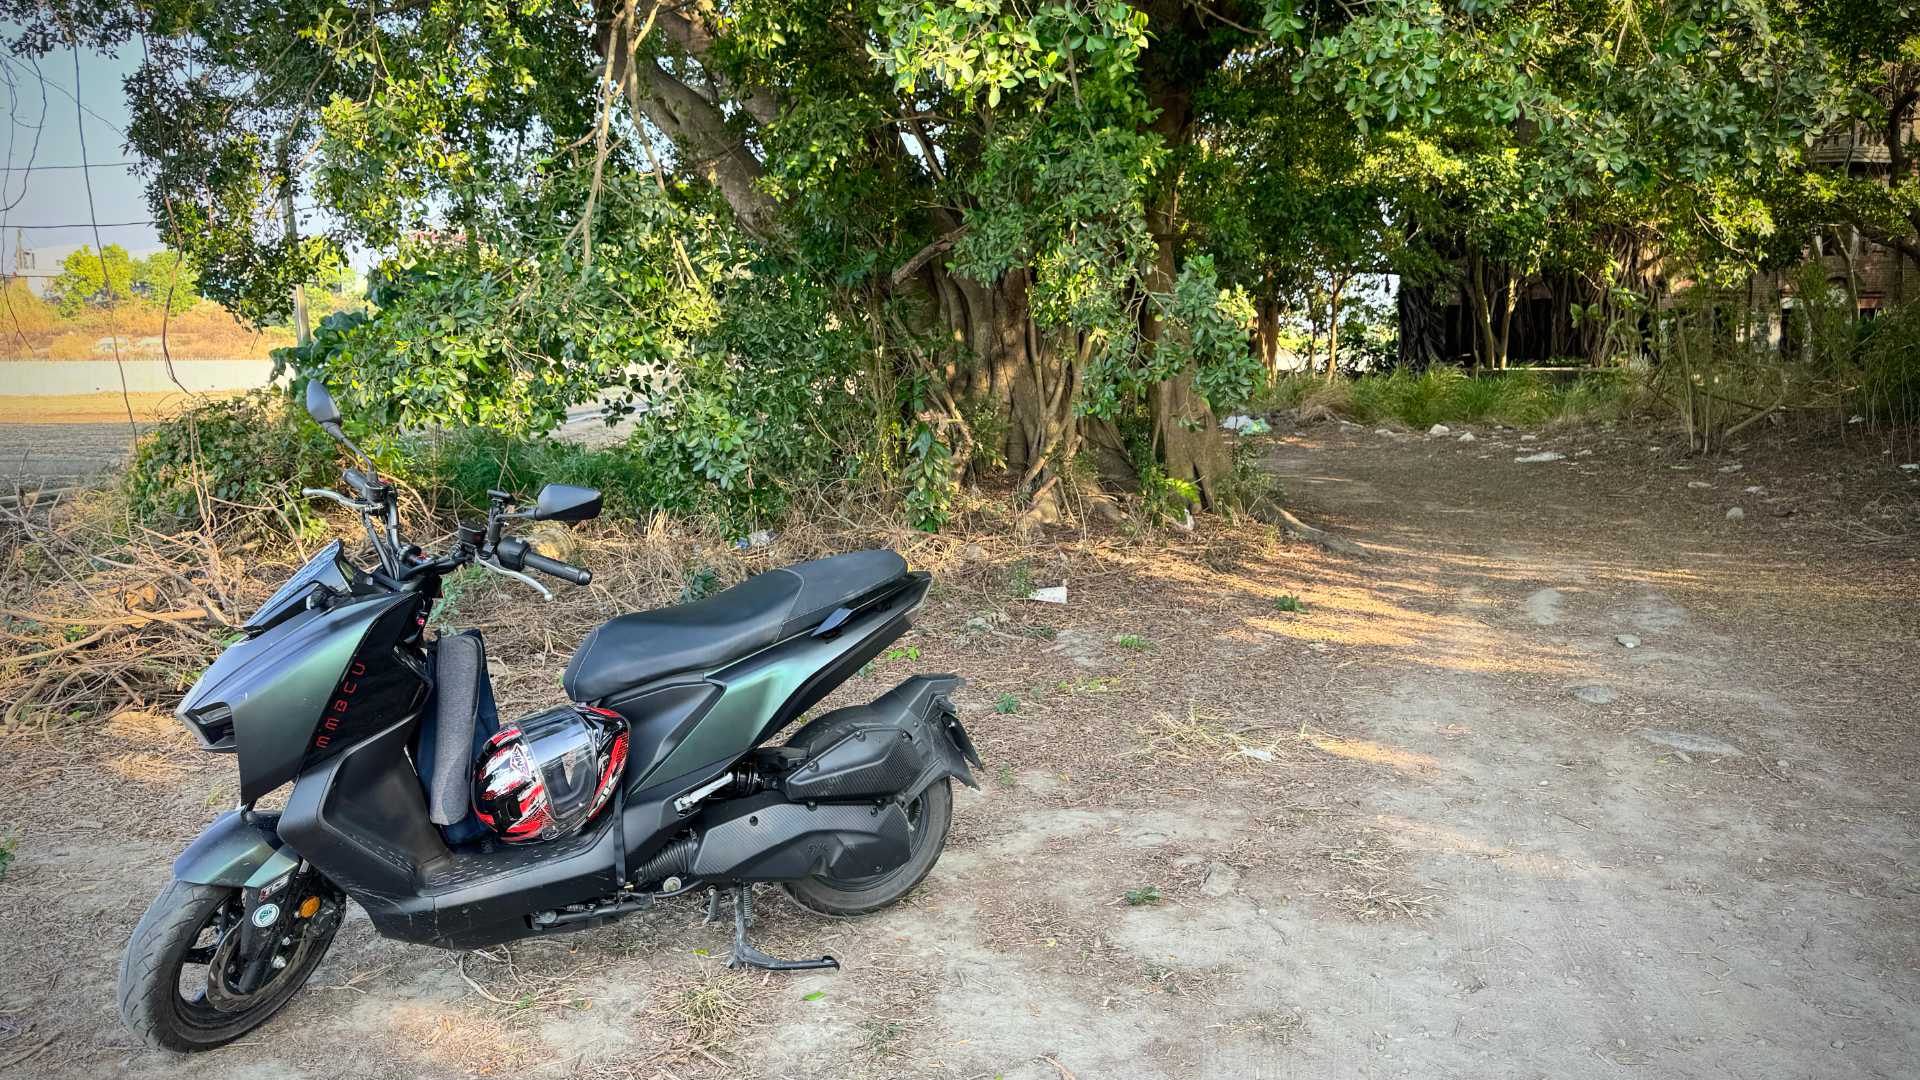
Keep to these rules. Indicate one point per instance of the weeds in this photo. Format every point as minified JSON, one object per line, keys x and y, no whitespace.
{"x":1007,"y":704}
{"x":1144,"y":896}
{"x":6,"y":855}
{"x":1449,"y":395}
{"x":1133,"y":643}
{"x":1289,"y":604}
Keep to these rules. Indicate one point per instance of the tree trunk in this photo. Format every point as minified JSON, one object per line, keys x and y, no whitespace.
{"x":1420,"y":326}
{"x":1266,"y":336}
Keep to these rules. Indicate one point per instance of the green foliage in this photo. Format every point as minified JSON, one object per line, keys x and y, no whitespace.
{"x":7,"y":846}
{"x":222,"y":459}
{"x":701,"y":583}
{"x":1133,"y":643}
{"x":1144,"y":896}
{"x":1449,"y":395}
{"x":1289,"y":605}
{"x":89,"y":277}
{"x":1007,"y":703}
{"x":167,"y":278}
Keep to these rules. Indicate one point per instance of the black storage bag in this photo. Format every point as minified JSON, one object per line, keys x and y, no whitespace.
{"x":459,"y":718}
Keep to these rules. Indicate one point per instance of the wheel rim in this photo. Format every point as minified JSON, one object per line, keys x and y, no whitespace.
{"x":214,"y":948}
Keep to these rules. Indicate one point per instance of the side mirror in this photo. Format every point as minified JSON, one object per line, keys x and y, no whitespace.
{"x":565,"y":502}
{"x":320,"y":404}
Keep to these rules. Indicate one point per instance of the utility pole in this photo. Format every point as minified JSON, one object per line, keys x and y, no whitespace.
{"x":300,"y":332}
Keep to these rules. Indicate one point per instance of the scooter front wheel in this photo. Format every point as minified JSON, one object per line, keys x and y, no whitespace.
{"x":176,"y":985}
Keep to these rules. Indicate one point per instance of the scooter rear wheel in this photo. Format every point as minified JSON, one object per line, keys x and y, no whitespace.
{"x":928,"y":815}
{"x":163,"y":976}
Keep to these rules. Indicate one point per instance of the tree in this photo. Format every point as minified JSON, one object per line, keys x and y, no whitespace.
{"x":1061,"y":213}
{"x":89,"y":277}
{"x":167,"y":279}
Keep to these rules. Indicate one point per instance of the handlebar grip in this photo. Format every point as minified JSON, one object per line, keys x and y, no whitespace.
{"x":578,"y":575}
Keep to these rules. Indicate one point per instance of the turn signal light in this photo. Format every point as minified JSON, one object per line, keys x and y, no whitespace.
{"x":308,"y":906}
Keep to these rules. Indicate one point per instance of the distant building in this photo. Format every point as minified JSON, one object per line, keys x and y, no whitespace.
{"x":36,"y":268}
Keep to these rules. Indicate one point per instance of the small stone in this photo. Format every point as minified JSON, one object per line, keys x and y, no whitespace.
{"x":1544,"y":455}
{"x":1583,"y":453}
{"x":1627,"y":641}
{"x":1754,"y":489}
{"x":1467,"y":436}
{"x":1595,"y":695}
{"x":1221,"y":880}
{"x":1105,"y":506}
{"x":1734,"y":513}
{"x":1698,"y":484}
{"x":1528,"y":438}
{"x":1439,"y":429}
{"x":1910,"y":466}
{"x":1838,"y":1044}
{"x":1256,"y":753}
{"x":1544,"y":783}
{"x":1735,"y":467}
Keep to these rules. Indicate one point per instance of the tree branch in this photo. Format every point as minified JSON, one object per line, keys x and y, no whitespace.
{"x":925,"y":255}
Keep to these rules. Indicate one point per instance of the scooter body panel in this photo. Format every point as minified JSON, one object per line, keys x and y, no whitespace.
{"x":311,"y":685}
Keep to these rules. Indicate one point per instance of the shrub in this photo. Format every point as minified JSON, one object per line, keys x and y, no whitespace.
{"x":221,"y":460}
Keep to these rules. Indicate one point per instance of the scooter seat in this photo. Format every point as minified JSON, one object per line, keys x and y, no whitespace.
{"x":633,"y":649}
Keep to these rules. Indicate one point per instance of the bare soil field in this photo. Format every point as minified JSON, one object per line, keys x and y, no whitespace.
{"x":1570,"y":776}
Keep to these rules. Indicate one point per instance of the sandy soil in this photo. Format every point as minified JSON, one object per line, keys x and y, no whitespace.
{"x":1382,"y":836}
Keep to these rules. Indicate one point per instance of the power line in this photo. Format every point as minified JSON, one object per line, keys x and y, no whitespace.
{"x":89,"y":225}
{"x":52,"y":168}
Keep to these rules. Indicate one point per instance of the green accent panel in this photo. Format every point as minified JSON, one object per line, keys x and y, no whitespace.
{"x":233,"y":852}
{"x":752,"y":690}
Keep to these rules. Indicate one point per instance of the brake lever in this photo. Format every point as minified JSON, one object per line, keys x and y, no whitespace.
{"x":515,"y":574}
{"x":329,"y":493}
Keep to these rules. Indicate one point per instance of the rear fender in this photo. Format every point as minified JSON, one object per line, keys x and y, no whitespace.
{"x":239,"y":849}
{"x":893,"y":747}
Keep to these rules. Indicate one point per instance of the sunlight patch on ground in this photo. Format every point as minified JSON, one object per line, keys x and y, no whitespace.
{"x":1429,"y":838}
{"x":1370,"y":752}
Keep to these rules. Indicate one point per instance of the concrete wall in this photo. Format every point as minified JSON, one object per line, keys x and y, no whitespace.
{"x":29,"y":378}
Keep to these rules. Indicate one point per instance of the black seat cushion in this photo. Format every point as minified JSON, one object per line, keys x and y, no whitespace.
{"x":761,"y":610}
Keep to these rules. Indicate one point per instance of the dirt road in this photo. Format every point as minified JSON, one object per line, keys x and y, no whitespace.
{"x":1571,"y":777}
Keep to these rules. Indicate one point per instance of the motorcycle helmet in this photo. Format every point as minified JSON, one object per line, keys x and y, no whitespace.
{"x":546,"y":775}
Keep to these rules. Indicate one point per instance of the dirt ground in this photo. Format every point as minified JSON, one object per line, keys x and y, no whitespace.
{"x":1443,"y":822}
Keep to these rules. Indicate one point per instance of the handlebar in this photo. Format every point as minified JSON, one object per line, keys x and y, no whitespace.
{"x":578,"y":575}
{"x":514,"y":554}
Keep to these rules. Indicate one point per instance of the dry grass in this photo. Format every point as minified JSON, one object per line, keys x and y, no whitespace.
{"x":204,"y":332}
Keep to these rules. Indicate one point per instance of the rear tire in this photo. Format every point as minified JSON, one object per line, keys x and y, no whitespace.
{"x":931,"y":813}
{"x":172,"y":939}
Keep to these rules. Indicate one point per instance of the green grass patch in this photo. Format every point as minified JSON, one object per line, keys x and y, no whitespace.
{"x":1133,"y":643}
{"x":1145,"y":895}
{"x":1007,"y":704}
{"x":1289,"y":604}
{"x":1449,"y":395}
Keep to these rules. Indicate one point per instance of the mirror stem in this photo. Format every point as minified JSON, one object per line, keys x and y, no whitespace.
{"x":340,"y":436}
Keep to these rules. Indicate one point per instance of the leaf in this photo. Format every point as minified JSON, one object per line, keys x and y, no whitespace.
{"x":815,"y":996}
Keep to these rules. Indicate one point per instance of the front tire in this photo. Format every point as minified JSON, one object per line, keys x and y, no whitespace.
{"x":162,"y":987}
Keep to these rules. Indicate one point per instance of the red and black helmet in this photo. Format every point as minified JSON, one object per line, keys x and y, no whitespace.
{"x":546,"y":775}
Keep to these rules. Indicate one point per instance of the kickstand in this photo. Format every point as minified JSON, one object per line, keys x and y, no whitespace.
{"x":748,"y":956}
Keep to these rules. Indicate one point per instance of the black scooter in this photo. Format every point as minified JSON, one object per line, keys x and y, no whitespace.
{"x":339,"y":689}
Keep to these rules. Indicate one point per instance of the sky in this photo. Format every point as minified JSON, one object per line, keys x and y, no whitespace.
{"x":58,"y":196}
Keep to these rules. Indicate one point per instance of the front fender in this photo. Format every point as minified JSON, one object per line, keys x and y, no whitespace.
{"x":240,"y":849}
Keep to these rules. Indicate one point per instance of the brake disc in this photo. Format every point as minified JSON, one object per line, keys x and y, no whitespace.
{"x":222,"y":996}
